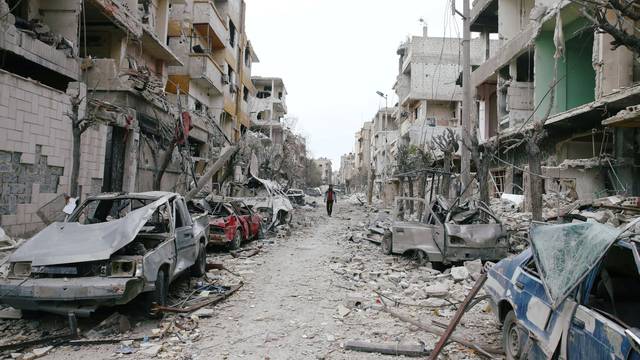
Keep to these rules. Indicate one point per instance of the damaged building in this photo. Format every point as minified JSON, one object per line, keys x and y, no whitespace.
{"x":589,"y":145}
{"x":154,"y":90}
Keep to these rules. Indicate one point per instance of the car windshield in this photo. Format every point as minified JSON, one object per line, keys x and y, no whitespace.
{"x":95,"y":211}
{"x":566,"y":253}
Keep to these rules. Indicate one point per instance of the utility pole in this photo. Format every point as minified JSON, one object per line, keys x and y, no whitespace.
{"x":467,"y":100}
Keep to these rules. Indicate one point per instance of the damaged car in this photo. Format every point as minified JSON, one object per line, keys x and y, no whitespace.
{"x":231,"y":222}
{"x":573,"y":294}
{"x":266,"y":198}
{"x":113,"y":248}
{"x":446,"y":234}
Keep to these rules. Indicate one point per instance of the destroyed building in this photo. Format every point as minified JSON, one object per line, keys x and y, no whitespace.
{"x":346,"y":174}
{"x":269,"y":107}
{"x":384,"y":140}
{"x":429,"y":95}
{"x":138,"y":79}
{"x":592,"y":85}
{"x":362,"y":151}
{"x":326,"y":173}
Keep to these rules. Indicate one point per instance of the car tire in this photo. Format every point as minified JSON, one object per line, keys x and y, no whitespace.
{"x":421,"y":258}
{"x":387,"y":243}
{"x":158,"y":296}
{"x":514,"y":337}
{"x":237,"y":241}
{"x":200,"y":267}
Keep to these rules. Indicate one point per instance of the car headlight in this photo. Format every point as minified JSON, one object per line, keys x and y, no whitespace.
{"x":124,"y":268}
{"x":21,"y":269}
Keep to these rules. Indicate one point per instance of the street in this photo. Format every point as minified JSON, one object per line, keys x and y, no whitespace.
{"x":292,"y":302}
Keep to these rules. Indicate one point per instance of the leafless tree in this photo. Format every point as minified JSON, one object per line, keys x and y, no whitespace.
{"x":448,"y":143}
{"x":615,"y":17}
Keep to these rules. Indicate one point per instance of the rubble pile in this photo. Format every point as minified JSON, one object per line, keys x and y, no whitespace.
{"x":376,"y":283}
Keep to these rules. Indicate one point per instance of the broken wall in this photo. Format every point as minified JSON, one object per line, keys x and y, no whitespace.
{"x":36,"y":152}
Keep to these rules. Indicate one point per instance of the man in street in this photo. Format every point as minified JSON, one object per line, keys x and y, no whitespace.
{"x":330,"y":198}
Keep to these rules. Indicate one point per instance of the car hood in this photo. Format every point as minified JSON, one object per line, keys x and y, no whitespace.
{"x":66,"y":243}
{"x":566,"y":253}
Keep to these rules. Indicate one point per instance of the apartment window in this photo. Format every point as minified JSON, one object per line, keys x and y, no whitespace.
{"x":198,"y":106}
{"x":232,"y":34}
{"x":431,"y":121}
{"x":247,"y":57}
{"x":416,"y":113}
{"x":280,"y":95}
{"x":245,"y":93}
{"x":232,"y":76}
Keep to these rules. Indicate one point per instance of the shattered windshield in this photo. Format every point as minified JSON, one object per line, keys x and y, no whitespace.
{"x":566,"y":253}
{"x":104,"y":210}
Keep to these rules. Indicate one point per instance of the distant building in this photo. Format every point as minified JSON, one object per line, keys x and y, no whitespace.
{"x":269,"y":107}
{"x":326,"y":172}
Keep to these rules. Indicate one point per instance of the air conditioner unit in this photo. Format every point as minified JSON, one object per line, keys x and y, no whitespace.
{"x":225,"y":79}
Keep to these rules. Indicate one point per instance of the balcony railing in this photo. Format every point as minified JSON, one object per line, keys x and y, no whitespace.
{"x":208,"y":22}
{"x":203,"y":69}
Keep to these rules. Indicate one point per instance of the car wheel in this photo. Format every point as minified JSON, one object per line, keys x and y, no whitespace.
{"x":514,"y":337}
{"x":200,"y":267}
{"x":387,"y":243}
{"x":237,"y":241}
{"x":157,"y":296}
{"x":421,"y":258}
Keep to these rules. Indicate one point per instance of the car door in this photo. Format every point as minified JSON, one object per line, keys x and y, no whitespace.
{"x":186,"y":248}
{"x":594,"y":333}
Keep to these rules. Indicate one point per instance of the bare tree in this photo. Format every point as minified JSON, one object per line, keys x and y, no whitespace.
{"x":448,"y":143}
{"x":615,"y":17}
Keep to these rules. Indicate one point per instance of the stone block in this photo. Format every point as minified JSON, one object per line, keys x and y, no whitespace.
{"x":7,"y":220}
{"x":28,"y":158}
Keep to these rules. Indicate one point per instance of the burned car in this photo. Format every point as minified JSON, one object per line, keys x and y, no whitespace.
{"x":296,"y":196}
{"x":112,"y":249}
{"x":446,"y":234}
{"x":573,"y":294}
{"x":266,"y":198}
{"x":231,"y":222}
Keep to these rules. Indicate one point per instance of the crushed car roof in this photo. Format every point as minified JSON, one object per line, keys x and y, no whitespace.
{"x":72,"y":242}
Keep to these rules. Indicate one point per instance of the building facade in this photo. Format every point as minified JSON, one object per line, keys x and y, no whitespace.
{"x":269,"y":107}
{"x":592,"y":85}
{"x":147,"y":98}
{"x":326,"y":172}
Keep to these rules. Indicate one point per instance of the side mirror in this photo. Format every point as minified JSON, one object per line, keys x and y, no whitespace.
{"x":633,"y":335}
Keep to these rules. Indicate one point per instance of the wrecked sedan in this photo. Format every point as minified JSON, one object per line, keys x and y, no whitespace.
{"x":231,"y":222}
{"x":574,"y":294}
{"x":267,"y":199}
{"x":446,"y":234}
{"x":113,"y":248}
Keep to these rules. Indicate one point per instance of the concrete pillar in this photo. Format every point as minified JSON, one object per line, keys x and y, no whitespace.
{"x":130,"y":172}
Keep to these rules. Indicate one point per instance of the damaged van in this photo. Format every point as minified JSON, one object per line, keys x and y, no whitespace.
{"x":445,"y":233}
{"x":112,"y":249}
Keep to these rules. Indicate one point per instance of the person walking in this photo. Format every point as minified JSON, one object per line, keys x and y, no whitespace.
{"x":330,"y":198}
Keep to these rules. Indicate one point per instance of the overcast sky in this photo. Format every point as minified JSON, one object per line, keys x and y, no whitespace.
{"x":334,"y":55}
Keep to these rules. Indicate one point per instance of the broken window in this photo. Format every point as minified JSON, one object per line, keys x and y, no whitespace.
{"x":245,"y":93}
{"x":431,"y":121}
{"x":232,"y":34}
{"x":247,"y":57}
{"x":198,"y":106}
{"x":565,"y":253}
{"x":616,"y":287}
{"x":524,"y":67}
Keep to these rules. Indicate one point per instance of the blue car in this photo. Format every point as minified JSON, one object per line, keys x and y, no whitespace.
{"x":573,"y":294}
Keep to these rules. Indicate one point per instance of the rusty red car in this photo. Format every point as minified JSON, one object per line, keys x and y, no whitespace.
{"x":231,"y":222}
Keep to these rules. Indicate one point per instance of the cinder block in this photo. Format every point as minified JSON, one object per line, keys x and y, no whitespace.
{"x":28,"y":158}
{"x":7,"y":220}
